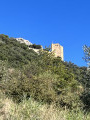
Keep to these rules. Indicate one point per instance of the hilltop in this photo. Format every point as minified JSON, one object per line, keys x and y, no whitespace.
{"x":16,"y":53}
{"x":21,"y":40}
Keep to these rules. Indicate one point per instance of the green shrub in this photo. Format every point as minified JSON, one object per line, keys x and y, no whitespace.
{"x":35,"y":46}
{"x":40,"y":88}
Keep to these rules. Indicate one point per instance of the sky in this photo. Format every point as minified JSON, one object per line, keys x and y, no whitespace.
{"x":66,"y":22}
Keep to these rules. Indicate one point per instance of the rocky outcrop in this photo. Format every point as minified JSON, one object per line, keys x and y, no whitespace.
{"x":21,"y":40}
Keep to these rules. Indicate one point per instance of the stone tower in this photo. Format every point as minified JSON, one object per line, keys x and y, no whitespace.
{"x":58,"y":50}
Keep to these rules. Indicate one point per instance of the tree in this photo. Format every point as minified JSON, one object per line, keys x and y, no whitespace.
{"x":47,"y":48}
{"x":86,"y":80}
{"x":87,"y":54}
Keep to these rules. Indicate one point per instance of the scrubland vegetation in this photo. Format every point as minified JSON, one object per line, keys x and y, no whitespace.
{"x":39,"y":86}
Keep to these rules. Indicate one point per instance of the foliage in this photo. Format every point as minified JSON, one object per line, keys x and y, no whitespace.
{"x":86,"y":94}
{"x":47,"y":48}
{"x":48,"y":83}
{"x":85,"y":97}
{"x":87,"y":54}
{"x":35,"y":46}
{"x":42,"y":76}
{"x":14,"y":53}
{"x":32,"y":110}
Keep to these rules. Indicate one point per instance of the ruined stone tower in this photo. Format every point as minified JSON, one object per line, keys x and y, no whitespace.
{"x":58,"y":50}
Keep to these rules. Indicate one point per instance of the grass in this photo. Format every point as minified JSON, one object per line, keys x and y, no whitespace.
{"x":32,"y":110}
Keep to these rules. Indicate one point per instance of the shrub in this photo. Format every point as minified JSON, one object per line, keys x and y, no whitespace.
{"x":40,"y":88}
{"x":35,"y":46}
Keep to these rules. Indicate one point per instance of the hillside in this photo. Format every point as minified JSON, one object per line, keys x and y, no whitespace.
{"x":14,"y":53}
{"x":26,"y":77}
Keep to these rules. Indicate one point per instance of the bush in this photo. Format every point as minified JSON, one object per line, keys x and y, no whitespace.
{"x":35,"y":46}
{"x":40,"y":88}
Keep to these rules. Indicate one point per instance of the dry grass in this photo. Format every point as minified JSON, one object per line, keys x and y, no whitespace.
{"x":31,"y":110}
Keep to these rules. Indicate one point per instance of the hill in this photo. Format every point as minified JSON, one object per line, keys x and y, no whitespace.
{"x":46,"y":79}
{"x":14,"y":52}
